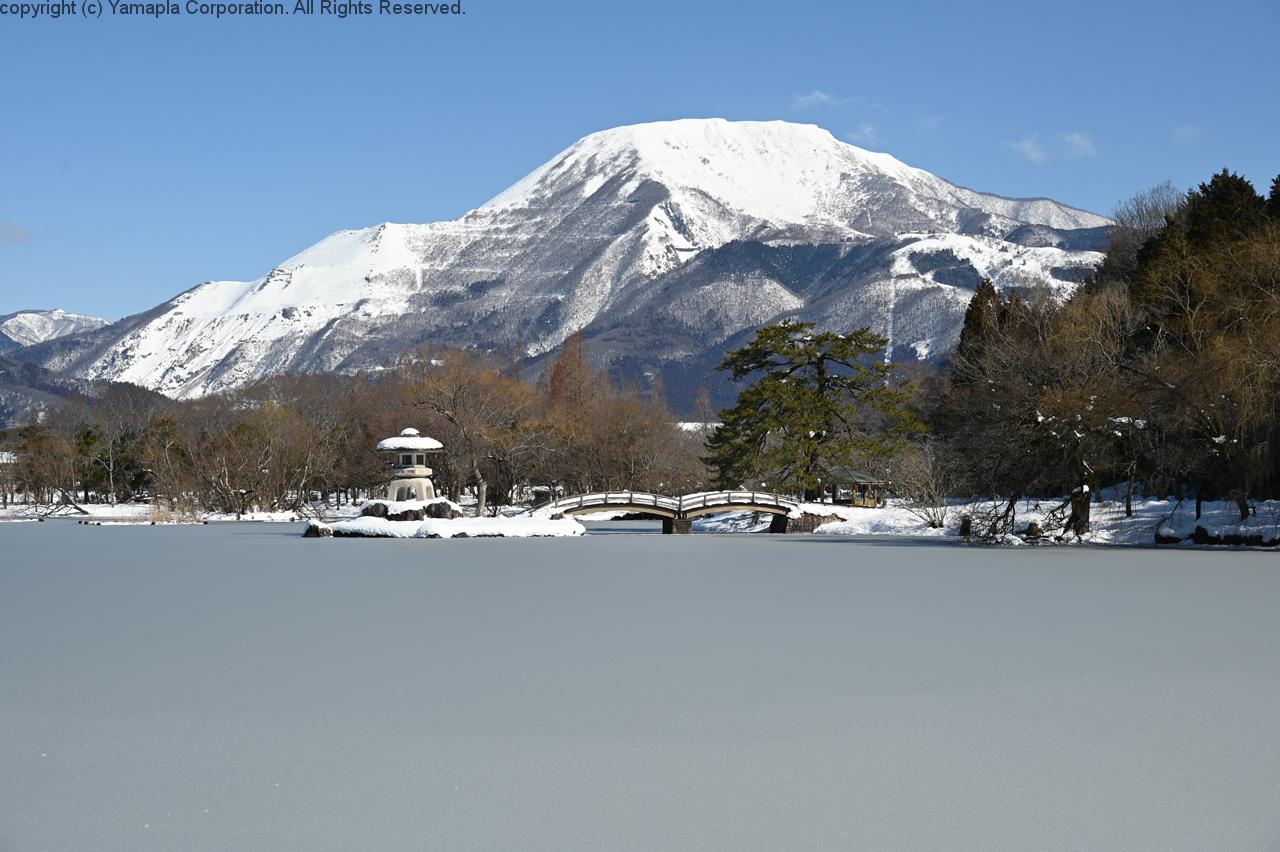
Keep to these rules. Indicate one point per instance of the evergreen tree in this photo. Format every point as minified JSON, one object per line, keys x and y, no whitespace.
{"x":1225,"y":208}
{"x":1273,"y":200}
{"x":980,"y":320}
{"x":817,"y":402}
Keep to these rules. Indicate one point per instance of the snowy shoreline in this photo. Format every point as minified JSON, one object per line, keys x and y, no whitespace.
{"x":438,"y":518}
{"x":135,"y":514}
{"x":518,"y":527}
{"x":1163,"y":523}
{"x":1166,"y":523}
{"x":1153,"y":522}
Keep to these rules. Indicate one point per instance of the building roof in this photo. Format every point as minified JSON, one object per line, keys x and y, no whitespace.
{"x":410,"y":439}
{"x":849,"y":474}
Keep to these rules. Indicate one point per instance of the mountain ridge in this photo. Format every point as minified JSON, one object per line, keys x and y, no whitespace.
{"x":31,"y":326}
{"x":586,"y":240}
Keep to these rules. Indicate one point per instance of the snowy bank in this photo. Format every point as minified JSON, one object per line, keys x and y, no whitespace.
{"x":1152,"y":522}
{"x":518,"y":527}
{"x":106,"y":514}
{"x":894,"y":518}
{"x":288,"y":517}
{"x":95,"y":512}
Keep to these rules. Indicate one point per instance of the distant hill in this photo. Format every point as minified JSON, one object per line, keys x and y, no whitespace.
{"x":28,"y":392}
{"x":27,"y":328}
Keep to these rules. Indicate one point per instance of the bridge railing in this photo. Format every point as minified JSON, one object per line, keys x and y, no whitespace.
{"x":605,"y":499}
{"x":707,"y":499}
{"x":676,"y":505}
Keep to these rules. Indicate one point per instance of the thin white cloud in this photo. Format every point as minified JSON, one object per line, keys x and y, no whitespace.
{"x":823,"y":98}
{"x":1186,"y":132}
{"x":865,"y":134}
{"x":12,"y":232}
{"x":1079,"y":145}
{"x":816,"y":98}
{"x":930,"y":123}
{"x":1029,"y":148}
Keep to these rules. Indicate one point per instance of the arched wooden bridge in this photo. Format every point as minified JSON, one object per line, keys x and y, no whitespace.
{"x":677,"y":512}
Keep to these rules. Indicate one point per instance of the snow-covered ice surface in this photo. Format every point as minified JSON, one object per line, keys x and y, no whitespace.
{"x":237,"y":687}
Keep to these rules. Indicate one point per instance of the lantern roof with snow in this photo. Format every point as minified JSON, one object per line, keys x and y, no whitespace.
{"x":410,"y":440}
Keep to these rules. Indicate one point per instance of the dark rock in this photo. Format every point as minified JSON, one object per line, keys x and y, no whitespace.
{"x":441,"y":509}
{"x":317,"y":531}
{"x":1203,"y":536}
{"x":1034,"y":531}
{"x":406,"y":515}
{"x":966,"y":526}
{"x":437,"y":509}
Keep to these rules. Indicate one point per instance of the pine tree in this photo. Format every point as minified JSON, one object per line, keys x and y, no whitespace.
{"x":818,"y":401}
{"x":1273,"y":200}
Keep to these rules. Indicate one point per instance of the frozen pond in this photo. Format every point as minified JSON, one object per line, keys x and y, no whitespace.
{"x":237,"y":687}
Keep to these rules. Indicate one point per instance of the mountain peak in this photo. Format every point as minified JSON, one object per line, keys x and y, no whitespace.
{"x":778,"y":173}
{"x":665,"y":143}
{"x":772,"y":170}
{"x":29,"y":327}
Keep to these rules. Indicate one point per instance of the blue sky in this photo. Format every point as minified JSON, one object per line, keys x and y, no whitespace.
{"x":140,"y":157}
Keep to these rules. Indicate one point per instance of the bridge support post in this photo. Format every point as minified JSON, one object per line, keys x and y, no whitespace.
{"x":677,"y":526}
{"x":807,"y":523}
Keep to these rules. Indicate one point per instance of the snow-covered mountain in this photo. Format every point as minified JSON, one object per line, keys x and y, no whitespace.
{"x":27,"y":328}
{"x":661,"y":242}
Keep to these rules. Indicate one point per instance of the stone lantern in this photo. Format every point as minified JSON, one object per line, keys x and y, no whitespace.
{"x":410,"y":476}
